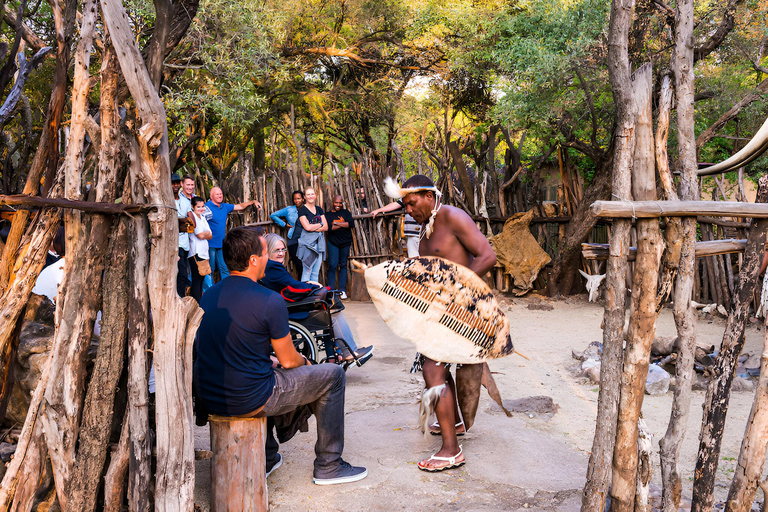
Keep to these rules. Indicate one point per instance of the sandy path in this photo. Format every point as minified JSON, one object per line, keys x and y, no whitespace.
{"x":529,"y":461}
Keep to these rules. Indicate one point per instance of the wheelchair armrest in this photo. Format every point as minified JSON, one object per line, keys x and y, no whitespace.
{"x":307,"y":303}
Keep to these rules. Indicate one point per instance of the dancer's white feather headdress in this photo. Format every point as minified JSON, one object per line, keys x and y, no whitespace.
{"x":393,"y":190}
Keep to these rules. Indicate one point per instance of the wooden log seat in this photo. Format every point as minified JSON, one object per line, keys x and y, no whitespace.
{"x":238,"y":470}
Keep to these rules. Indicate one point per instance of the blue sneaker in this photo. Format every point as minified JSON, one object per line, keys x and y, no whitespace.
{"x":344,"y":474}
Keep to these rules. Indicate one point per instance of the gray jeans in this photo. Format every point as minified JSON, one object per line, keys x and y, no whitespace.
{"x":321,"y":386}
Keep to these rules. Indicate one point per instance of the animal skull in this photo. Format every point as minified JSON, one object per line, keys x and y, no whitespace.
{"x":593,"y":283}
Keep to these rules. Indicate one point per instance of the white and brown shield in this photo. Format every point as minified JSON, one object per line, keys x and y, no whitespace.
{"x":445,"y":309}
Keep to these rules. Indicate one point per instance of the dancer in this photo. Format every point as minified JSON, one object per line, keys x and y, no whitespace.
{"x":449,"y":233}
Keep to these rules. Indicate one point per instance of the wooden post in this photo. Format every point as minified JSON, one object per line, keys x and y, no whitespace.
{"x":719,"y":389}
{"x":749,"y":469}
{"x":175,"y":320}
{"x":238,"y":470}
{"x":595,"y":492}
{"x":642,"y":325}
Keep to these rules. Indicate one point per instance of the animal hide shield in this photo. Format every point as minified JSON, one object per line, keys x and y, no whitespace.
{"x":445,"y":309}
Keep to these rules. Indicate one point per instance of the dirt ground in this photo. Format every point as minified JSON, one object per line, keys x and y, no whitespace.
{"x":533,"y":460}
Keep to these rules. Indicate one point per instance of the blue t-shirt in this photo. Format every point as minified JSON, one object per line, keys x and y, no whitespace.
{"x":233,"y":370}
{"x":218,"y":223}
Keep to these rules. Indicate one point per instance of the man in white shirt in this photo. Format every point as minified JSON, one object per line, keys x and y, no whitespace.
{"x":183,"y":207}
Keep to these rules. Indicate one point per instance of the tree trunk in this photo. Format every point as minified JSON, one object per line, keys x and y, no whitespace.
{"x":749,"y":469}
{"x":28,"y":448}
{"x":642,"y":325}
{"x":685,"y":318}
{"x":598,"y":482}
{"x":719,"y":389}
{"x":114,"y":480}
{"x":100,"y":399}
{"x":566,"y":264}
{"x":138,"y":365}
{"x":461,"y":169}
{"x":175,"y":320}
{"x":48,"y":145}
{"x":77,"y":309}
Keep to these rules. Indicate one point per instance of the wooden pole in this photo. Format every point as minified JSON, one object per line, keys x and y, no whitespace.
{"x":642,"y":325}
{"x":654,"y":209}
{"x":137,"y":415}
{"x":685,"y":318}
{"x":99,"y":401}
{"x":596,"y":489}
{"x":708,"y":248}
{"x":175,"y":320}
{"x":719,"y":389}
{"x":749,"y":468}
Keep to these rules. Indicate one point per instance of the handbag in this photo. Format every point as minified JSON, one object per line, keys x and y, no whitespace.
{"x":203,"y":267}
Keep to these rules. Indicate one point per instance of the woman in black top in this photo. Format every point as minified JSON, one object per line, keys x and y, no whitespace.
{"x":311,"y":250}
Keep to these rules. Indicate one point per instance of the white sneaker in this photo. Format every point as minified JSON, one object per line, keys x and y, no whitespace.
{"x":343,"y":296}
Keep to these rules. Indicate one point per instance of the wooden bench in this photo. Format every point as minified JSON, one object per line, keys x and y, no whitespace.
{"x":238,"y":469}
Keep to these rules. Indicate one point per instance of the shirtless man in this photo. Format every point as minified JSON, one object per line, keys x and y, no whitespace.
{"x":452,"y":235}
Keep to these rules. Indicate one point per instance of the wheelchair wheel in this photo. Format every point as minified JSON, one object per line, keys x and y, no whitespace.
{"x":303,"y":340}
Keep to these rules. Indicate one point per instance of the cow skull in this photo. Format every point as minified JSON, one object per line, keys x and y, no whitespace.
{"x":593,"y":283}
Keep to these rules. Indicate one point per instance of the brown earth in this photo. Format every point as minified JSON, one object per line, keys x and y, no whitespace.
{"x":535,"y":460}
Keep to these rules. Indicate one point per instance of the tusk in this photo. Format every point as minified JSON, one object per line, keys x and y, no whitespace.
{"x":748,"y":153}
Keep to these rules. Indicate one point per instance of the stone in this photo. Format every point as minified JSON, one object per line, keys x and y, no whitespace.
{"x":531,"y":404}
{"x":593,"y":374}
{"x":664,"y":345}
{"x":6,"y":450}
{"x":541,"y":306}
{"x":752,"y":365}
{"x":35,"y":342}
{"x":742,"y":384}
{"x":657,"y":382}
{"x":593,"y":351}
{"x":700,"y":383}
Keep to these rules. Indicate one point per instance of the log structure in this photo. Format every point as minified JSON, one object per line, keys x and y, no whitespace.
{"x":656,"y":209}
{"x":238,"y":470}
{"x":708,"y":248}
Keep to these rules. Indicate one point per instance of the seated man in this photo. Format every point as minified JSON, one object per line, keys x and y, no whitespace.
{"x":235,"y":374}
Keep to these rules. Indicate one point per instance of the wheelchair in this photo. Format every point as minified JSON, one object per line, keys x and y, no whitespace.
{"x":313,"y":335}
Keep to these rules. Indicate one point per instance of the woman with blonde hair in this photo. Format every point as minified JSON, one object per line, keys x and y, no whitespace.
{"x":311,"y":249}
{"x":277,"y":278}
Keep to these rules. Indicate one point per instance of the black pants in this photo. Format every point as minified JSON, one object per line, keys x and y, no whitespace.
{"x":271,"y":444}
{"x":295,"y":261}
{"x":196,"y":290}
{"x":182,"y":278}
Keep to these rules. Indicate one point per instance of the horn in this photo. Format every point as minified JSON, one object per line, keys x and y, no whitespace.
{"x":748,"y":153}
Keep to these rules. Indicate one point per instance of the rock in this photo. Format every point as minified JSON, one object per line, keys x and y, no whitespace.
{"x":742,"y":384}
{"x":35,"y":342}
{"x":6,"y":450}
{"x":593,"y":351}
{"x":700,"y":383}
{"x":532,"y":404}
{"x":541,"y":306}
{"x":752,"y":365}
{"x":593,"y":374}
{"x":657,"y":382}
{"x":589,"y":363}
{"x":664,"y":345}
